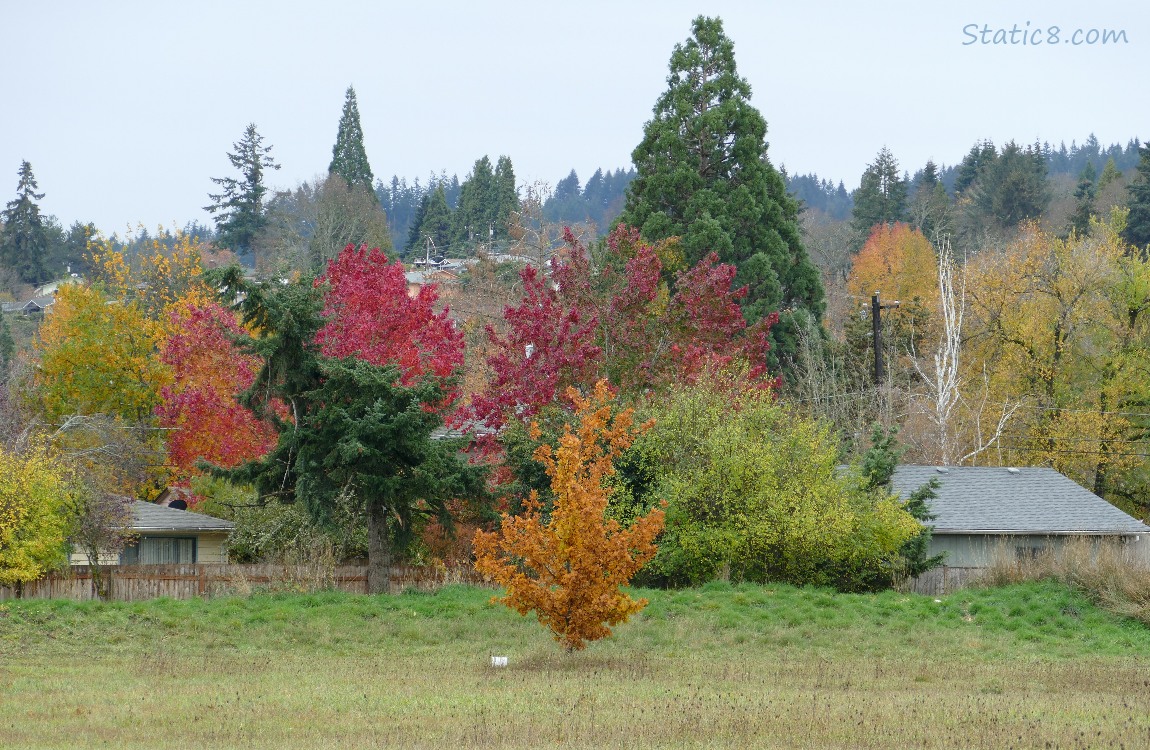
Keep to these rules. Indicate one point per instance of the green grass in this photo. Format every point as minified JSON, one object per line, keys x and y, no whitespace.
{"x":1031,"y":665}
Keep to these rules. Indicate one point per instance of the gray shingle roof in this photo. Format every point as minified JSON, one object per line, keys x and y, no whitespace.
{"x":152,"y":517}
{"x":1035,"y":500}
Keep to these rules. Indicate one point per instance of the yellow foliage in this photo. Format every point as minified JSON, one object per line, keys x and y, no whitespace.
{"x":567,"y":566}
{"x":33,"y":492}
{"x":1061,"y":326}
{"x":157,"y":278}
{"x":98,"y":355}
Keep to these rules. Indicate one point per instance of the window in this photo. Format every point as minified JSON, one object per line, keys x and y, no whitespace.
{"x":160,"y":550}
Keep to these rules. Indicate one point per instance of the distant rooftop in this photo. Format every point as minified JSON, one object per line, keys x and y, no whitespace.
{"x":1032,"y":500}
{"x":152,"y":517}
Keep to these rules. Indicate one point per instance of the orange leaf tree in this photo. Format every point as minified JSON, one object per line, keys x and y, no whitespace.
{"x":567,"y":565}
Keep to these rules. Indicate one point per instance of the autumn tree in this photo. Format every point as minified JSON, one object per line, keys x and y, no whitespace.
{"x":1060,"y":325}
{"x":704,"y":176}
{"x":618,"y":319}
{"x":567,"y":565}
{"x":33,"y":525}
{"x":97,"y":355}
{"x":240,"y":207}
{"x":755,"y":492}
{"x":898,"y":261}
{"x":369,"y":315}
{"x":155,"y":276}
{"x":200,"y":405}
{"x":350,"y":426}
{"x":339,"y":215}
{"x":100,"y":526}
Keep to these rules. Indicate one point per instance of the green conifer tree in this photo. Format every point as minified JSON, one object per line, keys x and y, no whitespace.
{"x":477,"y":216}
{"x":348,"y":156}
{"x":433,"y":223}
{"x":704,"y":175}
{"x":240,"y":210}
{"x":24,"y":243}
{"x":1109,"y":174}
{"x":1138,"y":222}
{"x":1084,"y":194}
{"x":881,"y":197}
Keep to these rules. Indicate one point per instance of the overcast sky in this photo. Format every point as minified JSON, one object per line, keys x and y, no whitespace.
{"x":127,"y":109}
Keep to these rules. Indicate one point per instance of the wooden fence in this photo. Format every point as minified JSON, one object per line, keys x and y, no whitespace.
{"x":137,"y":582}
{"x":943,"y":580}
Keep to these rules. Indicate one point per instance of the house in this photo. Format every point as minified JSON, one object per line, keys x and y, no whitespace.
{"x":169,"y":535}
{"x":31,"y":307}
{"x":982,"y":511}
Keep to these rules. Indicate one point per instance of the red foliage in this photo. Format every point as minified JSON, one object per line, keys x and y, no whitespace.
{"x":371,"y":316}
{"x":209,"y":372}
{"x":619,"y":321}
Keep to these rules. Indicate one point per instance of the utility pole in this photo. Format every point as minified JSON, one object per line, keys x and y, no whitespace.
{"x":876,"y":308}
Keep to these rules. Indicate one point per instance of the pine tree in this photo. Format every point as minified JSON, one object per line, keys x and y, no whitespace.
{"x":477,"y":217}
{"x":1013,"y":186}
{"x":881,"y":197}
{"x":981,"y":156}
{"x":348,"y":157}
{"x":434,"y":222}
{"x":1138,"y":223}
{"x":506,"y":196}
{"x":704,"y":175}
{"x":1084,"y":194}
{"x":240,"y":207}
{"x":24,"y":243}
{"x":1109,"y":174}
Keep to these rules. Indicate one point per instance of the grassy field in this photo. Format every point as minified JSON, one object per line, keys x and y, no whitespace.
{"x":1026,"y":666}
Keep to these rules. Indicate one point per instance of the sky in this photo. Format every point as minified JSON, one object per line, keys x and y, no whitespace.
{"x":126,"y":110}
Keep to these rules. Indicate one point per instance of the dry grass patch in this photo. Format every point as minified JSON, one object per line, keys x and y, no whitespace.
{"x":1030,"y":666}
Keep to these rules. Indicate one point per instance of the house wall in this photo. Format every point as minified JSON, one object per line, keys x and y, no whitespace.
{"x":210,"y":548}
{"x":981,"y":550}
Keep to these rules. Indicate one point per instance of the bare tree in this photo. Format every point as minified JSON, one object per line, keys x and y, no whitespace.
{"x":942,"y":378}
{"x":101,"y":528}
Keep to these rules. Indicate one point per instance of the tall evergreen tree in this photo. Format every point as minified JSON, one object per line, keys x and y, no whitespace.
{"x":981,"y":156}
{"x":1109,"y":174}
{"x":477,"y":216}
{"x":24,"y":243}
{"x":1013,"y":186}
{"x":433,"y":223}
{"x":240,"y":210}
{"x":506,"y":195}
{"x":881,"y":197}
{"x":1084,"y":194}
{"x":704,"y":175}
{"x":1137,"y":231}
{"x":348,"y":157}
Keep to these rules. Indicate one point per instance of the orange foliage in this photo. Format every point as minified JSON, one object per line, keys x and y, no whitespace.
{"x":898,"y":261}
{"x":567,"y":567}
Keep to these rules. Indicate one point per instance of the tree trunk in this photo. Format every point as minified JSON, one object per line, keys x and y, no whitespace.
{"x":378,"y":550}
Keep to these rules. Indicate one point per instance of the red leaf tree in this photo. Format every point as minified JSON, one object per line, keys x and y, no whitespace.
{"x":371,"y":317}
{"x":200,"y":405}
{"x":619,"y":319}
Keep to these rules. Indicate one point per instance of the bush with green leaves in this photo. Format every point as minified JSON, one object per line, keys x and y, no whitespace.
{"x":755,"y":494}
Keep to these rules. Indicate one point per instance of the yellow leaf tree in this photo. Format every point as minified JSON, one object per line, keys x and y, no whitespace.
{"x":1062,"y":327}
{"x":568,"y":565}
{"x":98,"y":355}
{"x":33,"y":491}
